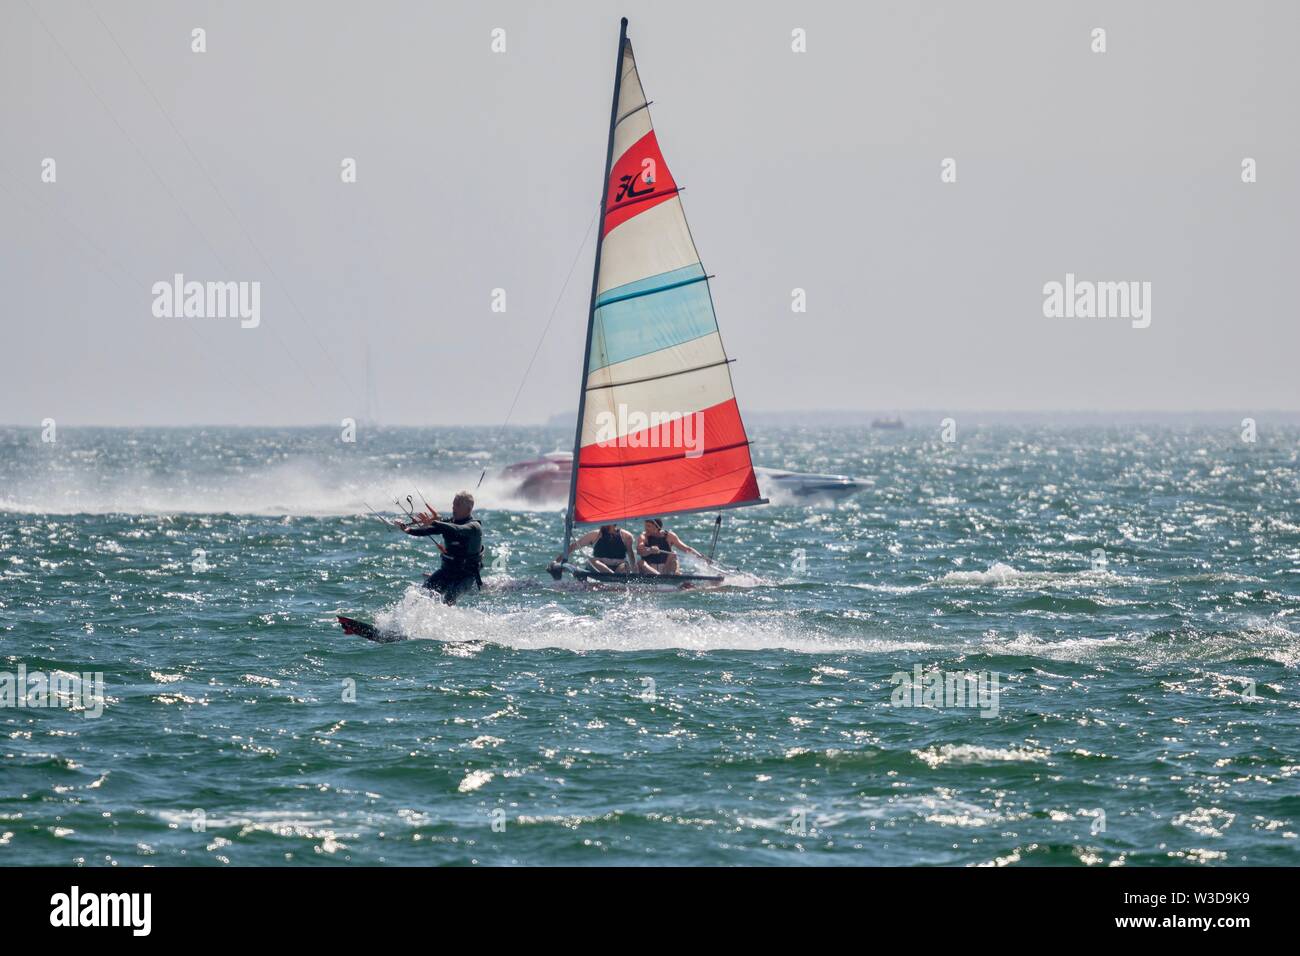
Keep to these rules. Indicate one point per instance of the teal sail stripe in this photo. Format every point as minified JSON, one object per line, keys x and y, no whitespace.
{"x":651,"y":283}
{"x":611,"y":299}
{"x":678,"y":311}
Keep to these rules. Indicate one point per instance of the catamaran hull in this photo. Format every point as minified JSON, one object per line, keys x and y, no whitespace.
{"x":650,"y":580}
{"x":672,"y":581}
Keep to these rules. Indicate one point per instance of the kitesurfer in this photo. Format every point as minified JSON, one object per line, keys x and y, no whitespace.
{"x":462,"y":554}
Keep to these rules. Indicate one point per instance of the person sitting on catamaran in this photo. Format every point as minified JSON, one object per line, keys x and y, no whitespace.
{"x":656,"y":549}
{"x":613,"y":551}
{"x":462,"y":555}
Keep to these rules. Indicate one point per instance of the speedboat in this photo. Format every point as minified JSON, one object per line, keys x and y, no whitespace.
{"x":803,"y":486}
{"x":542,"y":481}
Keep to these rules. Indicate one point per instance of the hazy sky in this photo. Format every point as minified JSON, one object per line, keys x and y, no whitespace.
{"x":479,"y":170}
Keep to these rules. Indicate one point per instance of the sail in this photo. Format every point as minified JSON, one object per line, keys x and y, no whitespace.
{"x":660,"y":431}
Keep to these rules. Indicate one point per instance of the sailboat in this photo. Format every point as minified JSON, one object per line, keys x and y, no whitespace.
{"x":659,"y":432}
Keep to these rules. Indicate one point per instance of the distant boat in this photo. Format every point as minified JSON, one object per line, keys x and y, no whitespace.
{"x":888,"y":423}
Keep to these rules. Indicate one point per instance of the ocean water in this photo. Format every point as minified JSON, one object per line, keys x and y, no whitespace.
{"x":1128,"y":597}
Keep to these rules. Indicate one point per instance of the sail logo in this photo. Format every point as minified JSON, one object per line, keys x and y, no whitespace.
{"x":74,"y":909}
{"x":1075,"y":299}
{"x":627,"y":188}
{"x":179,"y":299}
{"x":41,"y":691}
{"x":975,"y":689}
{"x":629,"y":428}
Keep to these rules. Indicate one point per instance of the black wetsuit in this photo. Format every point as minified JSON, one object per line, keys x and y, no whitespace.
{"x":657,"y":541}
{"x":462,"y":560}
{"x":609,"y":548}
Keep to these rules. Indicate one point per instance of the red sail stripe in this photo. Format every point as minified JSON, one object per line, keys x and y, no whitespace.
{"x":629,"y":194}
{"x":609,"y":494}
{"x":616,"y":481}
{"x":716,"y":427}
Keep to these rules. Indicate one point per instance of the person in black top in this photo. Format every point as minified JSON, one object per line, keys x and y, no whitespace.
{"x":612,"y":551}
{"x":656,"y":549}
{"x":462,"y":555}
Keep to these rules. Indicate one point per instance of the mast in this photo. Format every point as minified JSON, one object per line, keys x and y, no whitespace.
{"x":595,"y":281}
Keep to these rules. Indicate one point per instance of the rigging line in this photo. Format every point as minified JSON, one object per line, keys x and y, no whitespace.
{"x":158,"y":176}
{"x":634,"y":111}
{"x":220,"y":195}
{"x":624,"y":463}
{"x":551,"y":318}
{"x":207,"y":344}
{"x":656,"y":378}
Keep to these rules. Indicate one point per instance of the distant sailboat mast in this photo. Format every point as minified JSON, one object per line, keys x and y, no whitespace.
{"x":653,"y":354}
{"x":372,"y":403}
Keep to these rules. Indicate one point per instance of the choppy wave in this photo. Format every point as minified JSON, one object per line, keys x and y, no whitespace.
{"x":999,"y":574}
{"x":298,"y":488}
{"x":629,"y":625}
